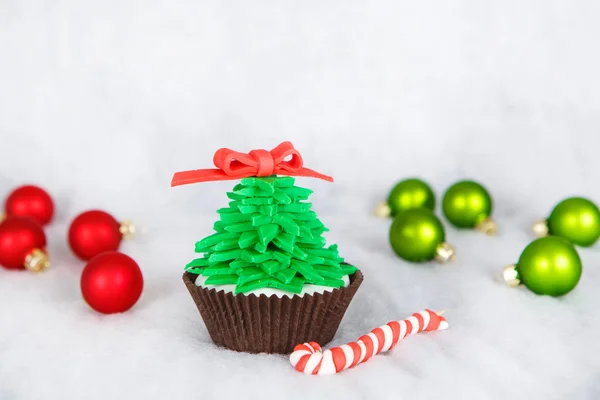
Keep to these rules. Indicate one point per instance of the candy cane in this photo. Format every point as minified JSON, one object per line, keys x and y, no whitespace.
{"x":309,"y":358}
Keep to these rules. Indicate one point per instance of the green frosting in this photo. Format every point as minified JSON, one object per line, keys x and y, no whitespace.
{"x":269,"y":238}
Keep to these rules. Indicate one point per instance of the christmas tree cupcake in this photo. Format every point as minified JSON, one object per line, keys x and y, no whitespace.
{"x":266,"y":280}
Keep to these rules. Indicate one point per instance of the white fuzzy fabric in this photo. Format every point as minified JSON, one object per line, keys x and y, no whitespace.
{"x":101,"y":101}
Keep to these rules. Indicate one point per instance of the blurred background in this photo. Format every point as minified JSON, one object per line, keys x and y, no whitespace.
{"x":102,"y":101}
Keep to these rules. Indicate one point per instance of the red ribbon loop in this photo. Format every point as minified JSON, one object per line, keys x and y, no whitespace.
{"x":235,"y":165}
{"x":265,"y":162}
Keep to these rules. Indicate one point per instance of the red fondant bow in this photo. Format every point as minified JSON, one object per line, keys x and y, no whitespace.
{"x":235,"y":165}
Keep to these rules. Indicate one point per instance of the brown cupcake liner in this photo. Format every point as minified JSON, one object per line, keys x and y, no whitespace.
{"x":261,"y":324}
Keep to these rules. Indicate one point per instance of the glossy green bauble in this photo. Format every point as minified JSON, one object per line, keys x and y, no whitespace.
{"x":549,"y":265}
{"x":466,"y":204}
{"x":416,"y":234}
{"x":576,"y":219}
{"x":409,"y":194}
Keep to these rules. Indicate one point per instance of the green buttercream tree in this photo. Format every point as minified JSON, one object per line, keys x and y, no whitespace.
{"x":268,"y":237}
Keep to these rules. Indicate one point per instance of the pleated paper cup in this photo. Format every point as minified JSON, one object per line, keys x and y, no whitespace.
{"x":271,"y":324}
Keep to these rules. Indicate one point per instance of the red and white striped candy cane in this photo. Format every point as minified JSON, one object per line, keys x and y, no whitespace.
{"x":309,"y":358}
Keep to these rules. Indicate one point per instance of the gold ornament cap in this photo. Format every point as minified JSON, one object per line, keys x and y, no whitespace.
{"x":511,"y":275}
{"x":540,"y":228}
{"x":445,"y":253}
{"x":383,"y":210}
{"x":127,"y":229}
{"x":2,"y":217}
{"x":487,"y":226}
{"x":37,"y":261}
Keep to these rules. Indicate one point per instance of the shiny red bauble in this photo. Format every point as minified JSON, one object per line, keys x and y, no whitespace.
{"x":30,"y":201}
{"x":22,"y":244}
{"x":111,"y":282}
{"x":94,"y":232}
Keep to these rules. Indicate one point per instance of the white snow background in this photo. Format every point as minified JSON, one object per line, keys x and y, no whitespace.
{"x":101,"y":101}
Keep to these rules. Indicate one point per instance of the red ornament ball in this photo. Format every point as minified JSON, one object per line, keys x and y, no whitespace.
{"x":22,"y":244}
{"x":30,"y":201}
{"x":111,"y":282}
{"x":94,"y":232}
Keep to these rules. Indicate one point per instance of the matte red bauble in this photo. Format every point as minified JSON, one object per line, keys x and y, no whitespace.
{"x":94,"y":232}
{"x":30,"y":201}
{"x":23,"y":244}
{"x":111,"y":282}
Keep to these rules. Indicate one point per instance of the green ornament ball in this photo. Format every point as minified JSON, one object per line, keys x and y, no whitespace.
{"x":417,"y":235}
{"x":466,"y":204}
{"x":576,"y":219}
{"x":549,"y":266}
{"x":410,"y":194}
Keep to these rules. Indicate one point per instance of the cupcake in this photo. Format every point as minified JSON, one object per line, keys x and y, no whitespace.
{"x":266,"y":281}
